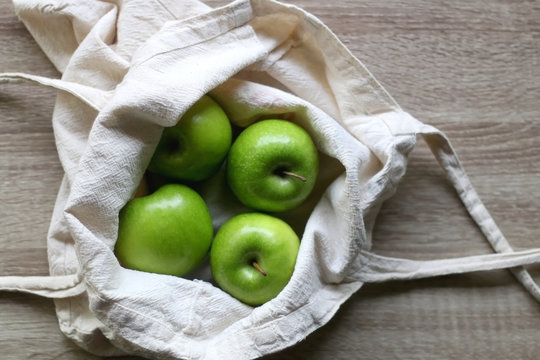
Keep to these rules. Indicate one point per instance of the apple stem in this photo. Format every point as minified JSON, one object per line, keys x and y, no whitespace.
{"x":259,"y":268}
{"x":294,"y":175}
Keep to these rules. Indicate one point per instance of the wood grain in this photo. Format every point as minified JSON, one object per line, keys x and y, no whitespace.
{"x":469,"y":67}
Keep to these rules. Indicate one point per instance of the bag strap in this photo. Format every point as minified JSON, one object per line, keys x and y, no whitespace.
{"x":64,"y":285}
{"x":95,"y":98}
{"x":378,"y":268}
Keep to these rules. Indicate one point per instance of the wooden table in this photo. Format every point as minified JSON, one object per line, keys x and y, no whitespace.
{"x":469,"y":67}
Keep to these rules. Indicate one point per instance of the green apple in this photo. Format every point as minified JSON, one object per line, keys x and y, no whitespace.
{"x":196,"y":146}
{"x":253,"y":257}
{"x":272,"y":165}
{"x":167,"y":232}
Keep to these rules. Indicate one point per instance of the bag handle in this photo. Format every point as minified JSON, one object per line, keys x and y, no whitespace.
{"x":378,"y":268}
{"x":62,"y":286}
{"x":95,"y":98}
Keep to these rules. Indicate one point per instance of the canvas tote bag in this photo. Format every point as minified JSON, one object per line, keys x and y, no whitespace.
{"x":130,"y":68}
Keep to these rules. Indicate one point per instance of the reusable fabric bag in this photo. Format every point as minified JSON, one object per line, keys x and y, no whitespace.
{"x":130,"y":68}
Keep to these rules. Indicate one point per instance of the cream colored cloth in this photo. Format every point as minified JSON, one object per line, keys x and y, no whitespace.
{"x":131,"y":67}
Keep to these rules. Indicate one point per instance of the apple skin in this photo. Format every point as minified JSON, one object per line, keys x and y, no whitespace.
{"x":194,"y":148}
{"x":167,"y":232}
{"x":259,"y":156}
{"x":248,"y":237}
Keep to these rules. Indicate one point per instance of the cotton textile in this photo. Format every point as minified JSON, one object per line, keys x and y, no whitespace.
{"x":131,"y":68}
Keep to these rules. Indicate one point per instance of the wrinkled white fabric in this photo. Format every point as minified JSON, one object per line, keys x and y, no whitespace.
{"x":130,"y":68}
